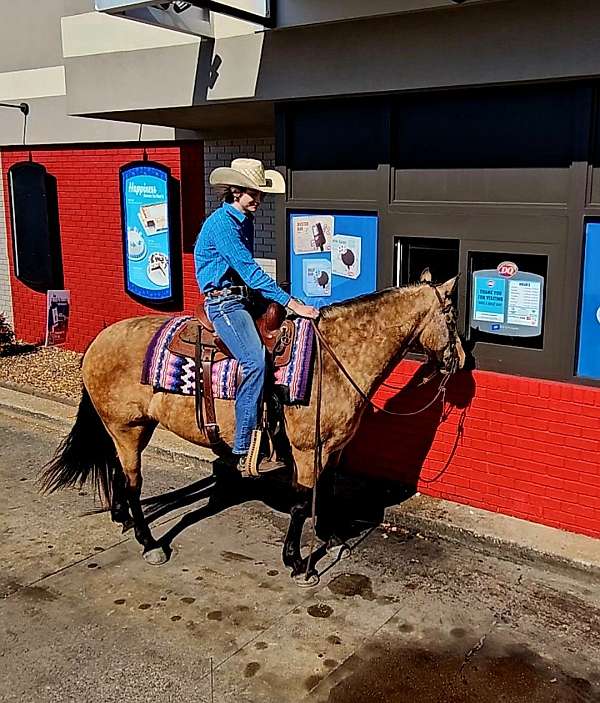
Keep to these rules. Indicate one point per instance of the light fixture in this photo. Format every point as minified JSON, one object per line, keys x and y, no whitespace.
{"x":178,"y":7}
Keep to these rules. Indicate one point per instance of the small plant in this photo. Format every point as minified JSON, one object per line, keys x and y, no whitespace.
{"x":7,"y":336}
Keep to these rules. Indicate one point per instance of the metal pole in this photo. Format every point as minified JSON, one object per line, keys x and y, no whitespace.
{"x":24,"y":108}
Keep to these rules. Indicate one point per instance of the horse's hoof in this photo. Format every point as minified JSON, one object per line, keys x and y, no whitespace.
{"x":339,"y":551}
{"x":302,"y":581}
{"x":127,"y":526}
{"x":156,"y":556}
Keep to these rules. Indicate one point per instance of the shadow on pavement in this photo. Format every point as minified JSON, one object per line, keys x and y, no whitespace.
{"x":348,"y":508}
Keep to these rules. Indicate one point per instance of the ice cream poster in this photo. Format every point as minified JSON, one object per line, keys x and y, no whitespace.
{"x":146,"y":231}
{"x":316,"y":277}
{"x":57,"y":315}
{"x":312,"y":233}
{"x":345,"y":255}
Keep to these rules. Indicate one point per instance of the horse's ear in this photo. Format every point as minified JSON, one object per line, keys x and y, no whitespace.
{"x":425,"y":276}
{"x":448,"y":288}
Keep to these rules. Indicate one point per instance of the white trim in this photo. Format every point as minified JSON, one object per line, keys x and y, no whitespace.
{"x":33,"y":83}
{"x":6,"y":302}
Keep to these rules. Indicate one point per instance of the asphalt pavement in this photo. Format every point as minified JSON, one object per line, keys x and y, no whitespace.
{"x":404,"y":617}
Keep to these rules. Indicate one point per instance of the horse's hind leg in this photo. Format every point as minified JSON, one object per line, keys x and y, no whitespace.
{"x":119,"y":509}
{"x":130,"y":442}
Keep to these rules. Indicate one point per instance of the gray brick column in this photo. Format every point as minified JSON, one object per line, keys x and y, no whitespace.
{"x":220,"y":153}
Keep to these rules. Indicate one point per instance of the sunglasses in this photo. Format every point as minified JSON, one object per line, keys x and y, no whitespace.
{"x":254,"y":194}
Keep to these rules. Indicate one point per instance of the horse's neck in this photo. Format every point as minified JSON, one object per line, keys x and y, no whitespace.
{"x":368,"y":335}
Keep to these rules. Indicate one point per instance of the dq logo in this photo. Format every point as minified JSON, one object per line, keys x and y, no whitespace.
{"x":507,"y":269}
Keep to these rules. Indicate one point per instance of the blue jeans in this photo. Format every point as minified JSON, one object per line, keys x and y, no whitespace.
{"x":235,"y":326}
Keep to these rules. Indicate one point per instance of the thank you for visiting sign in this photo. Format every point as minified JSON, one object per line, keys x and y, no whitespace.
{"x":147,"y":240}
{"x":507,"y":301}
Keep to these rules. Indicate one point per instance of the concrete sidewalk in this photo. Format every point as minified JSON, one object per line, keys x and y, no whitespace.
{"x":428,"y":516}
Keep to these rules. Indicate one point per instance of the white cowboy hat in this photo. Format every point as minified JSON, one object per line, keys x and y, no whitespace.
{"x":248,"y":173}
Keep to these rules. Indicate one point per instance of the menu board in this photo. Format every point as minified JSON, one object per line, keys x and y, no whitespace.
{"x":507,"y":301}
{"x":333,"y":257}
{"x":524,"y":303}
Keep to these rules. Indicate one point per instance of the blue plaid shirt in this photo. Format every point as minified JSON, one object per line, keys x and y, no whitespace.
{"x":223,"y":255}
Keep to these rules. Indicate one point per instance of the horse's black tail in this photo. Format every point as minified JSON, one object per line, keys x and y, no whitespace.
{"x":86,"y":454}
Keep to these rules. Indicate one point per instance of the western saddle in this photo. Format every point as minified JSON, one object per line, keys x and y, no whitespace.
{"x":197,"y":340}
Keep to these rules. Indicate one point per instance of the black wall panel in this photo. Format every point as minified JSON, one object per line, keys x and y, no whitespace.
{"x":507,"y":127}
{"x":35,"y":228}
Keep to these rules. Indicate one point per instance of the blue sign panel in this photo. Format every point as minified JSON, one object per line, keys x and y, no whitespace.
{"x":146,"y":231}
{"x":489,"y":298}
{"x":332,"y":257}
{"x":588,"y":362}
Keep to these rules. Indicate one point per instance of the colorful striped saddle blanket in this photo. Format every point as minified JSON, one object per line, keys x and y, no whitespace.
{"x":171,"y":373}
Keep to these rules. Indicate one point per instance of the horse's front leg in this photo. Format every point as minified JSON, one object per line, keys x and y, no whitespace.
{"x":299,"y":511}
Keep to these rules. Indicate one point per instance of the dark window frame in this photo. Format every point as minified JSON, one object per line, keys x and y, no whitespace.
{"x":552,"y":228}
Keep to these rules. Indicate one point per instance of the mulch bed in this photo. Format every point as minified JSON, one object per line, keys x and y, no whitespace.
{"x":52,"y":371}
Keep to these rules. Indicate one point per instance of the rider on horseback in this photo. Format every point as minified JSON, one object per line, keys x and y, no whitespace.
{"x":227,"y":274}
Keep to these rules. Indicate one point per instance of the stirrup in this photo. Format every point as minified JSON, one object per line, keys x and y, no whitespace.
{"x":252,"y":465}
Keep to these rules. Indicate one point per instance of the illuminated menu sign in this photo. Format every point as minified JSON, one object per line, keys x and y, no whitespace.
{"x":506,"y":301}
{"x":146,"y":231}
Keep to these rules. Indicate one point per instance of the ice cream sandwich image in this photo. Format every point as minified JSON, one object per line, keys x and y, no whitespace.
{"x":154,"y":218}
{"x":316,"y":277}
{"x":345,"y":255}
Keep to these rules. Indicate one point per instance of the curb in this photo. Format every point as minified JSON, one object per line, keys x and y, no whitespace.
{"x":164,"y":444}
{"x":496,"y":534}
{"x":410,"y":518}
{"x":38,"y":393}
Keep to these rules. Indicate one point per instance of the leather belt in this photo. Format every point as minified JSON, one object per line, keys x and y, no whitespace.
{"x":230,"y":290}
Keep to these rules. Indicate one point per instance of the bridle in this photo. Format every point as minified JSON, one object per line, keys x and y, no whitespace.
{"x":448,"y":368}
{"x":449,"y":312}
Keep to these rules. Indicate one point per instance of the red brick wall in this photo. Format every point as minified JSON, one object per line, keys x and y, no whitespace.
{"x":524,"y":447}
{"x":518,"y":446}
{"x":90,"y":230}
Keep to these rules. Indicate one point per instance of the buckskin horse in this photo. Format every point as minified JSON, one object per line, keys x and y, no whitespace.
{"x":359,"y":342}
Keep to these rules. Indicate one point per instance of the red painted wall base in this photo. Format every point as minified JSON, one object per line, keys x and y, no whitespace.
{"x":524,"y":447}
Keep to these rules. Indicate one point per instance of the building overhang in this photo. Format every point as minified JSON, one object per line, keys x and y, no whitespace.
{"x":219,"y":84}
{"x":216,"y":121}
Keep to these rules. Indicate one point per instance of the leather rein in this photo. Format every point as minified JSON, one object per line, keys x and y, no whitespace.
{"x":448,"y":311}
{"x":322,"y":343}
